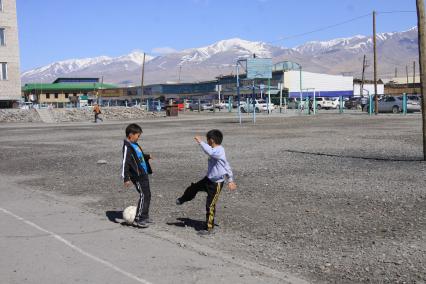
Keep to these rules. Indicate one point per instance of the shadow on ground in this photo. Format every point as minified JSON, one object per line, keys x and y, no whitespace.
{"x":187,"y":222}
{"x":114,"y":215}
{"x":403,"y":159}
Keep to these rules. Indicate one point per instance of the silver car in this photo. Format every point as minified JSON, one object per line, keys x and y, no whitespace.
{"x":204,"y":105}
{"x":394,"y":104}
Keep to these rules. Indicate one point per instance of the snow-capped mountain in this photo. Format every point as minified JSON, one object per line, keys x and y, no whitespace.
{"x":312,"y":47}
{"x":88,"y":66}
{"x":358,"y":43}
{"x":342,"y":55}
{"x":345,"y":55}
{"x":238,"y":46}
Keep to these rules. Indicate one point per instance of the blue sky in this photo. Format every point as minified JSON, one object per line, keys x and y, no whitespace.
{"x":51,"y":30}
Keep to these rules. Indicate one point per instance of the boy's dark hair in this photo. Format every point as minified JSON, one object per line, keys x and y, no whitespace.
{"x":132,"y":129}
{"x":215,"y":135}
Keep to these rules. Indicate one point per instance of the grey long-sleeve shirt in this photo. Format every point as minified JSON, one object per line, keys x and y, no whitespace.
{"x":218,"y":166}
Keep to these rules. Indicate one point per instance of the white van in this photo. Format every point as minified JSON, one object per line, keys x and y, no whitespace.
{"x":327,"y":103}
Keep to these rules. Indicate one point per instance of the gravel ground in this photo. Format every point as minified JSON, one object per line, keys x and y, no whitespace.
{"x":63,"y":115}
{"x":108,"y":114}
{"x":333,"y":198}
{"x":19,"y":115}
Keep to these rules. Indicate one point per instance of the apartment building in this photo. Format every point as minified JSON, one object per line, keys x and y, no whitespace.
{"x":10,"y":81}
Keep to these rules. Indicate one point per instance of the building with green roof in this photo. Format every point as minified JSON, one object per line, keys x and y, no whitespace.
{"x":64,"y":91}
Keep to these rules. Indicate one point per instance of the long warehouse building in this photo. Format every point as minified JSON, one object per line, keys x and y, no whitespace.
{"x":324,"y":85}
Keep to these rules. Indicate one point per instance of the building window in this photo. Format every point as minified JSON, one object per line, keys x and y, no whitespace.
{"x":67,"y":96}
{"x":3,"y":71}
{"x":2,"y":37}
{"x":1,"y":6}
{"x":56,"y":95}
{"x":47,"y":96}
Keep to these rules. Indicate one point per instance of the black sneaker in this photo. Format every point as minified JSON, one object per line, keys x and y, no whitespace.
{"x":205,"y":232}
{"x":140,"y":224}
{"x":178,"y":202}
{"x":149,"y":221}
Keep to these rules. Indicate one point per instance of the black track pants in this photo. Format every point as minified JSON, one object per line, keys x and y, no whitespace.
{"x":213,"y":190}
{"x":142,"y":209}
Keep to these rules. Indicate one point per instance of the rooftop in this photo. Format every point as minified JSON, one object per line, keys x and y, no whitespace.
{"x":66,"y":87}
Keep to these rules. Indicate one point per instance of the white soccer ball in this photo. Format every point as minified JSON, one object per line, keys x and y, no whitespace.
{"x":129,"y":214}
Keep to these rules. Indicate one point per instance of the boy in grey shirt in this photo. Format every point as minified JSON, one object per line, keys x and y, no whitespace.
{"x":218,"y":170}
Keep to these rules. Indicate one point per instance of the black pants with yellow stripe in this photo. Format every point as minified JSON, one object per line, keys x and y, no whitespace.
{"x":213,"y":190}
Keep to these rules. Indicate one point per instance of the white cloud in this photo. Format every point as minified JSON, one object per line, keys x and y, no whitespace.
{"x":163,"y":50}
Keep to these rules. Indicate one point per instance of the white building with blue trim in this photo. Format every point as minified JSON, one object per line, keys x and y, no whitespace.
{"x":323,"y":85}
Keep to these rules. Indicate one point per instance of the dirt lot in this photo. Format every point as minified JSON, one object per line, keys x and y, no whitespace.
{"x":333,"y":198}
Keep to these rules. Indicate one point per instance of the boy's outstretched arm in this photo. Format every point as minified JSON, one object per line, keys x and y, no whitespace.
{"x":211,"y":152}
{"x":198,"y":139}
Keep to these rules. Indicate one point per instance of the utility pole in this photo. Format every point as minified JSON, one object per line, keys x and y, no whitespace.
{"x":143,"y":73}
{"x":101,"y":87}
{"x":180,"y":70}
{"x":376,"y":99}
{"x":414,"y":73}
{"x":396,"y":72}
{"x":406,"y":73}
{"x":361,"y":91}
{"x":422,"y":63}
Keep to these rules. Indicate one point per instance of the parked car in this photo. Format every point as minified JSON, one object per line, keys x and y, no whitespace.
{"x":293,"y":103}
{"x":180,"y":104}
{"x":235,"y":102}
{"x":320,"y":102}
{"x":327,"y":103}
{"x":353,"y":103}
{"x":394,"y":104}
{"x":203,"y":105}
{"x":260,"y":105}
{"x":156,"y":105}
{"x":417,"y":98}
{"x":220,"y":105}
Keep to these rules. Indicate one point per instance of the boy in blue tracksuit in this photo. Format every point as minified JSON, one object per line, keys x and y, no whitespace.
{"x":135,"y":169}
{"x":218,"y":170}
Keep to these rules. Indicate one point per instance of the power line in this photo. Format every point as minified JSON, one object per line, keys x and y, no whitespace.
{"x":322,"y":29}
{"x":395,"y":12}
{"x":340,"y":24}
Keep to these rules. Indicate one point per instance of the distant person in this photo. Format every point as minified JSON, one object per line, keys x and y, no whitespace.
{"x":302,"y":106}
{"x":135,"y":169}
{"x":364,"y":101}
{"x":218,"y":170}
{"x":97,"y":111}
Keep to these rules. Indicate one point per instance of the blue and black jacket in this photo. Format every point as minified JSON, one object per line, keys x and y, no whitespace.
{"x":132,"y":166}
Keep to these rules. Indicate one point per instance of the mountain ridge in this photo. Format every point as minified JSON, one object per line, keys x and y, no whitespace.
{"x":340,"y":55}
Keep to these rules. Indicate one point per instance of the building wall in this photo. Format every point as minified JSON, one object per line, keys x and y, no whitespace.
{"x":397,"y":90}
{"x":368,"y":89}
{"x":106,"y":93}
{"x":10,"y":89}
{"x":403,"y":80}
{"x":60,"y":99}
{"x":324,"y":84}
